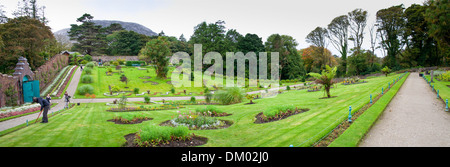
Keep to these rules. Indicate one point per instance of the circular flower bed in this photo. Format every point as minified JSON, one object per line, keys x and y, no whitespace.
{"x":145,"y":77}
{"x":196,"y":122}
{"x":278,"y":113}
{"x":129,"y":119}
{"x":159,"y":136}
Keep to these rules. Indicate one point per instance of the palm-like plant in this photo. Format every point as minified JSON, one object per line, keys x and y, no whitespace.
{"x":386,"y":70}
{"x":326,"y":78}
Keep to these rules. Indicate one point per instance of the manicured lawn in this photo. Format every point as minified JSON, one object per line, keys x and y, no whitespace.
{"x":101,"y":82}
{"x":136,"y":79}
{"x":444,"y":90}
{"x":353,"y":135}
{"x":87,"y":125}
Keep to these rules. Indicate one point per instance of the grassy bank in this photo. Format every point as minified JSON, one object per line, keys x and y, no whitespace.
{"x":352,"y":136}
{"x":87,"y":126}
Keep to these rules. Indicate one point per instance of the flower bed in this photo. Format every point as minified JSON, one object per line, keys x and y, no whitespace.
{"x":129,"y":119}
{"x":278,"y":113}
{"x":189,"y":103}
{"x":158,"y":136}
{"x":55,"y":81}
{"x":144,"y":108}
{"x":196,"y":122}
{"x":63,"y":84}
{"x":19,"y":111}
{"x":211,"y":111}
{"x":107,"y":94}
{"x":315,"y":88}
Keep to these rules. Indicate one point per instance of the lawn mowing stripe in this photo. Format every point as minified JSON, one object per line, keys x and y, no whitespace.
{"x":345,"y":107}
{"x":352,"y":136}
{"x":353,"y":111}
{"x":242,"y":133}
{"x":63,"y":127}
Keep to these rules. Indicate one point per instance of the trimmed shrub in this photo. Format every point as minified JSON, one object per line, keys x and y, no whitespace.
{"x":444,"y":76}
{"x":87,"y":79}
{"x":87,"y":57}
{"x":130,"y":63}
{"x":230,"y":95}
{"x":84,"y":62}
{"x":147,"y":99}
{"x":87,"y":71}
{"x":90,"y":65}
{"x":136,"y":90}
{"x":82,"y":90}
{"x":208,"y":97}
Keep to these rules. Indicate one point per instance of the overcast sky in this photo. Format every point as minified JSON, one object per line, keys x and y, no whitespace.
{"x":175,"y":17}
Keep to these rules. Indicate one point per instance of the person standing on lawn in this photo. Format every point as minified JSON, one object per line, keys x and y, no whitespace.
{"x":66,"y":100}
{"x":45,"y":106}
{"x":48,"y":98}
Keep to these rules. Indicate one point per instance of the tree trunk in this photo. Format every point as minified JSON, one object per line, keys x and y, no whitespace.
{"x":431,"y":75}
{"x":327,"y":89}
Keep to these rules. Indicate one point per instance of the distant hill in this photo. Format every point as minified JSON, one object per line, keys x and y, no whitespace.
{"x":105,"y":23}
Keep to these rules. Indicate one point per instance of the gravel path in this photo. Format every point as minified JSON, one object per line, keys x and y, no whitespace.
{"x":414,"y":118}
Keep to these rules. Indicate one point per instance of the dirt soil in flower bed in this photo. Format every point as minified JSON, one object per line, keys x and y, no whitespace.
{"x":221,"y":115}
{"x":260,"y":120}
{"x":226,"y":124}
{"x":131,"y":122}
{"x":195,"y":141}
{"x":145,"y":77}
{"x":354,"y":83}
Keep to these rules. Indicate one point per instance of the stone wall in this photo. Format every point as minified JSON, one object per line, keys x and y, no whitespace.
{"x":45,"y":74}
{"x":113,"y":58}
{"x":7,"y":81}
{"x":50,"y":69}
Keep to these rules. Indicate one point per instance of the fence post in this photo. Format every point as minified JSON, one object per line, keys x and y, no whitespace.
{"x":446,"y":104}
{"x":350,"y":114}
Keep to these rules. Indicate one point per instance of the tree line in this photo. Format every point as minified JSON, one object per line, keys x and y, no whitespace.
{"x":406,"y":37}
{"x":412,"y":37}
{"x":27,"y":35}
{"x":416,"y":36}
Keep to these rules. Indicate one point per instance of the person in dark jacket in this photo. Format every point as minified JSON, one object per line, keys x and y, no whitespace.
{"x":48,"y":98}
{"x":45,"y":106}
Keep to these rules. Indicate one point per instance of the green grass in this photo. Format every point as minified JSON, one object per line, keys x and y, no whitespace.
{"x":444,"y":90}
{"x":353,"y":135}
{"x":157,"y":134}
{"x":101,"y":82}
{"x":87,"y":126}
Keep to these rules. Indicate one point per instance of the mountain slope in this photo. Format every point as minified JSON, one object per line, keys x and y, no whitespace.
{"x":127,"y":25}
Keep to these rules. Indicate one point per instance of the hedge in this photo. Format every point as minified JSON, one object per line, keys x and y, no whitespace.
{"x":130,"y":63}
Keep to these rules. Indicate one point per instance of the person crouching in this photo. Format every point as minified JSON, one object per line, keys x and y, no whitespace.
{"x":45,"y":105}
